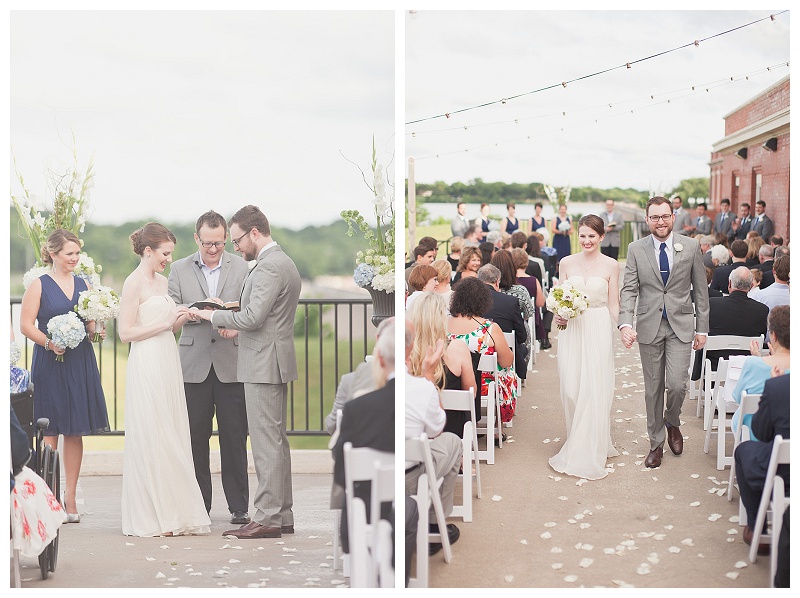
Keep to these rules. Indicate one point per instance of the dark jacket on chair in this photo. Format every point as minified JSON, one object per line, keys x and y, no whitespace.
{"x":505,"y":312}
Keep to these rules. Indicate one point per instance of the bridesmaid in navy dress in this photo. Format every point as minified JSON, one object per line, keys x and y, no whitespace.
{"x":537,"y":220}
{"x":484,"y":220}
{"x":68,"y":393}
{"x":561,"y":239}
{"x":510,"y":223}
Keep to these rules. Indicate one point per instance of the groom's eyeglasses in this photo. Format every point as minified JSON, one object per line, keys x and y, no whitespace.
{"x":236,"y":241}
{"x":209,"y":245}
{"x":655,"y":219}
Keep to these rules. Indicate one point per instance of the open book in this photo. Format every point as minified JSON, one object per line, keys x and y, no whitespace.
{"x":208,"y":303}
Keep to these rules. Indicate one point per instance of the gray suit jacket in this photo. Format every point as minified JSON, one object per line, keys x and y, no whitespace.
{"x":644,"y":293}
{"x":266,"y":320}
{"x":199,"y":344}
{"x":703,"y":228}
{"x":459,"y":226}
{"x":764,"y":227}
{"x":724,"y":227}
{"x":681,"y":220}
{"x":612,"y":237}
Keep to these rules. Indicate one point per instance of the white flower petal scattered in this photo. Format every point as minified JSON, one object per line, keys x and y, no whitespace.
{"x":550,"y":524}
{"x":714,"y":517}
{"x":160,"y":575}
{"x":509,"y":578}
{"x":497,"y":498}
{"x":740,"y":565}
{"x":545,"y":535}
{"x":643,"y":569}
{"x":571,"y":578}
{"x":586,"y":563}
{"x":674,"y":549}
{"x":557,"y":566}
{"x":733,"y":532}
{"x":687,"y":542}
{"x":695,"y":504}
{"x":150,"y":558}
{"x":525,"y":542}
{"x":556,"y":550}
{"x":732,"y":575}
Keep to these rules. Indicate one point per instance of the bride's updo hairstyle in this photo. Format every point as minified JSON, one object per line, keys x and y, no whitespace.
{"x":55,"y":243}
{"x":150,"y":235}
{"x":594,"y":222}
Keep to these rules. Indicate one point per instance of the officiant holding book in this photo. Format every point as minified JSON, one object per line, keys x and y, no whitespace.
{"x":209,"y":361}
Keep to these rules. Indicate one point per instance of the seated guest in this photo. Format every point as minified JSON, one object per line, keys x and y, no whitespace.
{"x":533,"y":287}
{"x":487,"y":251}
{"x":723,"y":239}
{"x":423,"y":278}
{"x":442,"y":287}
{"x":495,"y":237}
{"x":360,"y":381}
{"x":471,"y":299}
{"x":757,"y":369}
{"x":507,"y":284}
{"x":752,"y":458}
{"x":423,"y":254}
{"x":758,"y":276}
{"x":454,"y":370}
{"x":778,"y":292}
{"x":505,"y":312}
{"x":536,"y":264}
{"x":456,"y":245}
{"x":711,"y":292}
{"x":720,"y":256}
{"x":754,"y":245}
{"x":766,"y":257}
{"x":424,"y":413}
{"x":735,"y":314}
{"x":367,"y":421}
{"x":707,"y":242}
{"x":738,"y":252}
{"x":473,"y":236}
{"x":468,"y":264}
{"x":776,"y":241}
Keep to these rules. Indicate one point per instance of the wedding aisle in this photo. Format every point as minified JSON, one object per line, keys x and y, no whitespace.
{"x":664,"y":527}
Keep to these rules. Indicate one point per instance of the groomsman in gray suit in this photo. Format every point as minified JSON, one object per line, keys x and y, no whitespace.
{"x":723,"y":221}
{"x":208,"y":361}
{"x":267,"y":363}
{"x":683,"y":219}
{"x":762,"y":223}
{"x":613,"y":223}
{"x":660,"y":271}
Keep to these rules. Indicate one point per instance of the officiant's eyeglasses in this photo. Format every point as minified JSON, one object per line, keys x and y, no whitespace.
{"x":664,"y":217}
{"x":209,"y":245}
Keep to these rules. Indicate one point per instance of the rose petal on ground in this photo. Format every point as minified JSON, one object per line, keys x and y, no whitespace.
{"x":669,"y":497}
{"x":195,"y":574}
{"x":563,"y":498}
{"x":234,"y":561}
{"x":546,"y":536}
{"x":687,"y":542}
{"x":653,"y":558}
{"x":643,"y":569}
{"x":714,"y":517}
{"x":580,"y":482}
{"x":129,"y":544}
{"x":509,"y":578}
{"x":324,"y":565}
{"x":295,"y":562}
{"x":557,"y":566}
{"x":732,"y":574}
{"x":525,"y":542}
{"x":740,"y":565}
{"x":556,"y":550}
{"x":608,"y":551}
{"x":621,"y":584}
{"x":659,"y":536}
{"x":163,"y":547}
{"x":586,"y":563}
{"x":557,"y":479}
{"x":337,"y":582}
{"x":160,"y":575}
{"x":546,"y":441}
{"x":730,"y":539}
{"x":694,"y":504}
{"x":733,"y":532}
{"x":627,"y":542}
{"x":497,"y":498}
{"x":653,"y":517}
{"x":585,"y":525}
{"x":266,"y":568}
{"x":571,"y":578}
{"x":550,"y":524}
{"x":571,"y":521}
{"x":695,"y":476}
{"x":587,"y":547}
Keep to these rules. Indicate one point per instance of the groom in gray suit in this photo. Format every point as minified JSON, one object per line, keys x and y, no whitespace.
{"x":208,"y":361}
{"x":267,"y":363}
{"x":660,"y":271}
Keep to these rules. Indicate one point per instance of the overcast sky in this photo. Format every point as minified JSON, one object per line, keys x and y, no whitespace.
{"x":188,"y":111}
{"x":460,"y":59}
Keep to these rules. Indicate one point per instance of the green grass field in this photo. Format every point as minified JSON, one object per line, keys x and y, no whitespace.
{"x":321,"y":389}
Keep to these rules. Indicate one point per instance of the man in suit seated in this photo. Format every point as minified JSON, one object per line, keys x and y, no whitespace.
{"x":367,"y":421}
{"x":735,"y":314}
{"x":752,"y":456}
{"x":766,"y":255}
{"x":738,"y":253}
{"x":505,"y":312}
{"x":707,"y":243}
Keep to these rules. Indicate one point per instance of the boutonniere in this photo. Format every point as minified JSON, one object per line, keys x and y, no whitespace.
{"x":251,"y":264}
{"x":677,"y":247}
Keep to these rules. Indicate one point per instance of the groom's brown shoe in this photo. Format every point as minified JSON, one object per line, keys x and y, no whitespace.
{"x":654,"y":458}
{"x":254,"y":530}
{"x":675,"y":439}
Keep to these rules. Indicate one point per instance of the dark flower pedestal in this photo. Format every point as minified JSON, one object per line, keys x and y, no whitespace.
{"x":382,"y":305}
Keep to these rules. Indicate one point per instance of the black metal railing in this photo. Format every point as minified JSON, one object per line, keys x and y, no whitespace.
{"x":332,"y":336}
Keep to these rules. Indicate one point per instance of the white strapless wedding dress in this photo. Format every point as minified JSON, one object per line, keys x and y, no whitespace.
{"x":160,"y":494}
{"x":586,"y":374}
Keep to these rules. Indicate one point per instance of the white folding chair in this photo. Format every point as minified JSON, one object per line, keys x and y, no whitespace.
{"x":383,"y":554}
{"x":361,"y":465}
{"x":779,"y":503}
{"x":535,"y":345}
{"x":511,"y":340}
{"x":359,"y":551}
{"x":423,"y":500}
{"x":464,"y":400}
{"x":418,"y":449}
{"x":491,"y":426}
{"x":338,"y":555}
{"x":719,"y":342}
{"x":14,"y":550}
{"x":780,"y":456}
{"x":723,"y":407}
{"x":748,"y":406}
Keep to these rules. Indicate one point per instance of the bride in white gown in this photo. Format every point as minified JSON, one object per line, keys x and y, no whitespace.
{"x":160,"y":494}
{"x":586,"y":359}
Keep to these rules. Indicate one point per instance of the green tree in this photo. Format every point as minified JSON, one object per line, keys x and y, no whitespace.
{"x":697,"y":187}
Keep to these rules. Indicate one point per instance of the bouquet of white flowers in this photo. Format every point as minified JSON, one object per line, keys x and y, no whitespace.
{"x":566,"y":301}
{"x":98,"y":304}
{"x":66,"y":331}
{"x":564,"y":226}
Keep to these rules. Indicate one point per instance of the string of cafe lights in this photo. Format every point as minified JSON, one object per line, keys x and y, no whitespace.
{"x":627,"y":65}
{"x":613,"y":104}
{"x":688,"y":92}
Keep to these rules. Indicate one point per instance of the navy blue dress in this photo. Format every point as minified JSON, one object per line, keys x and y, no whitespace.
{"x":68,"y":393}
{"x":512,"y":227}
{"x":484,"y":228}
{"x":561,"y":243}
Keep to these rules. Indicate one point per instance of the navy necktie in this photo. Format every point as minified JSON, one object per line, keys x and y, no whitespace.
{"x":663,"y":263}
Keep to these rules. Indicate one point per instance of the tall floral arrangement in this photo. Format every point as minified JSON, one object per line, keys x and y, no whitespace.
{"x":70,"y":209}
{"x":375,"y":265}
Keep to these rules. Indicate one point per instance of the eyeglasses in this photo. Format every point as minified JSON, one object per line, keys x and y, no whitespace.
{"x":665,"y":218}
{"x":209,"y":245}
{"x":236,"y":241}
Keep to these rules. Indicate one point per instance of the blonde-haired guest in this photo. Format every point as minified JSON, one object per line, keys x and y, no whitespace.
{"x":443,"y":281}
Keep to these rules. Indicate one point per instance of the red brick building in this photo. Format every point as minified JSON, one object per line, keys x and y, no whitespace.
{"x":752,"y":161}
